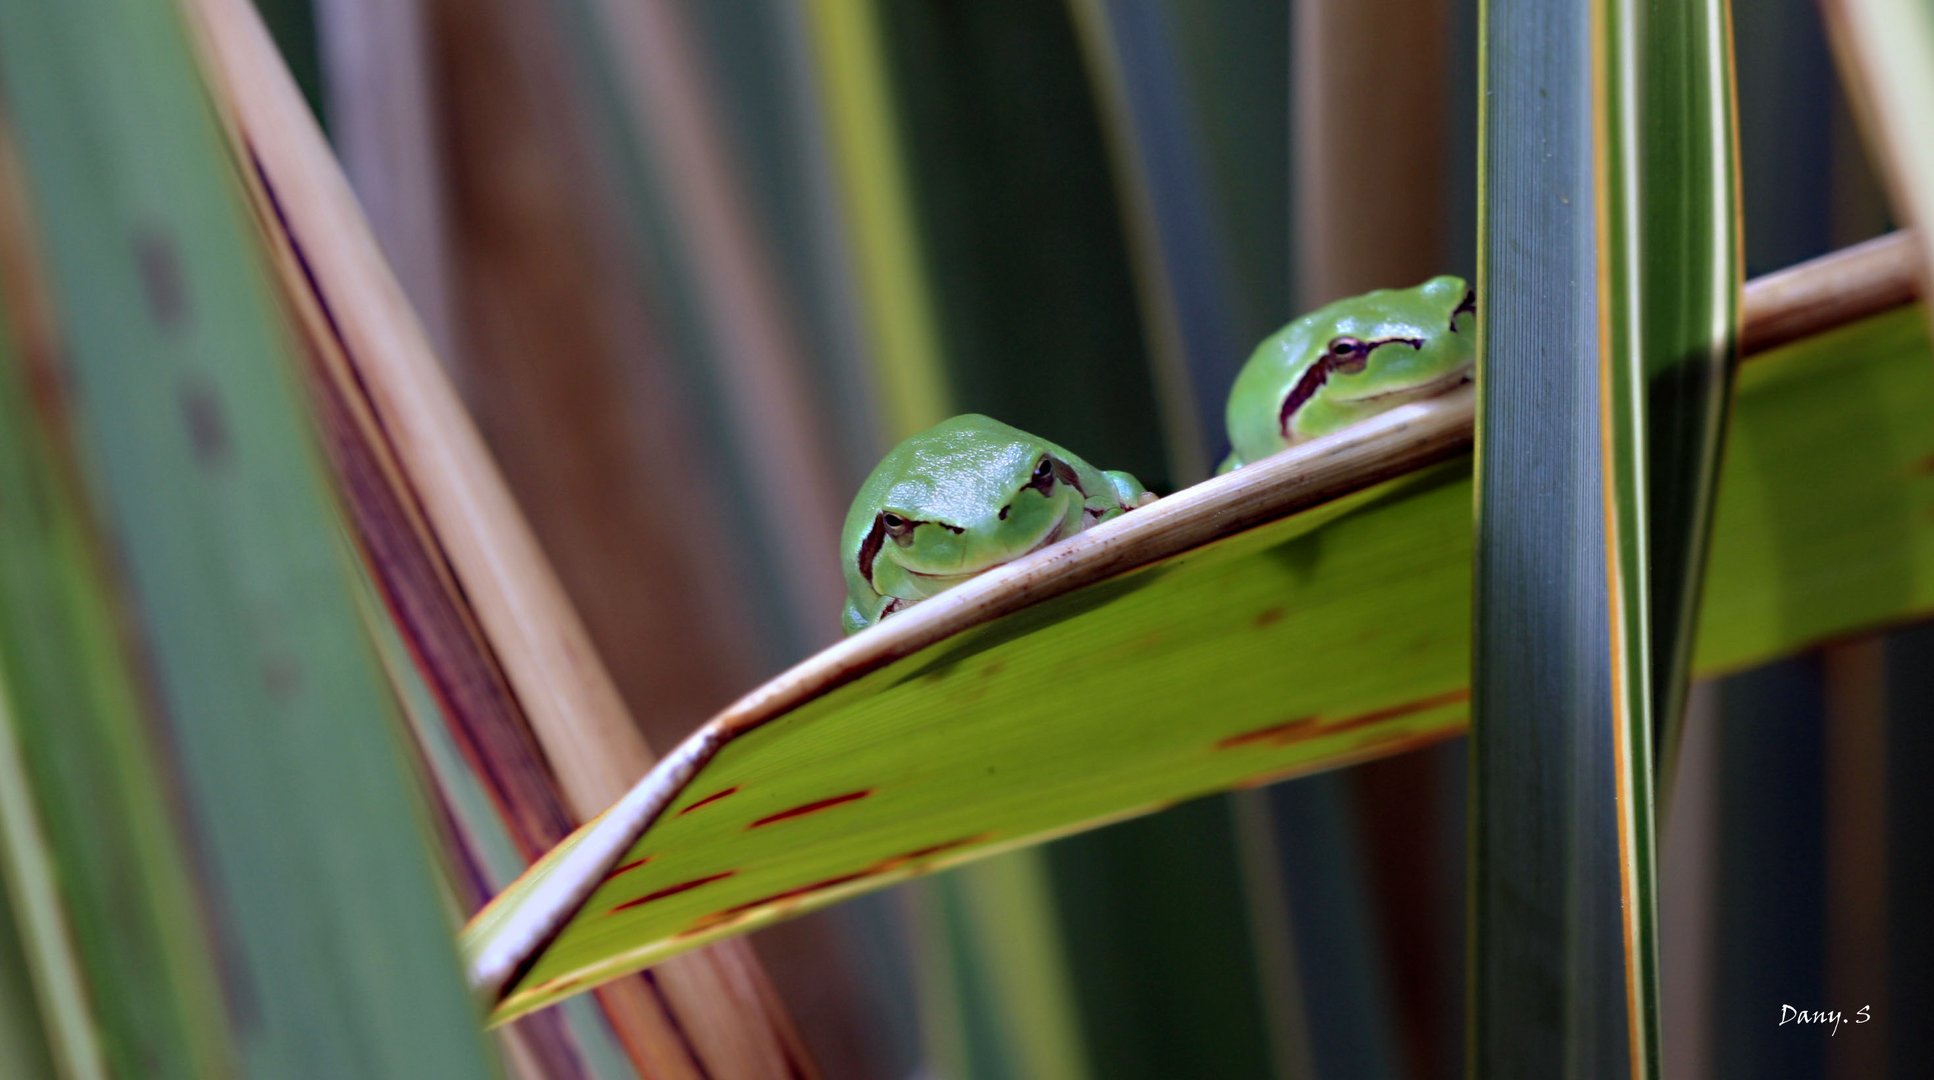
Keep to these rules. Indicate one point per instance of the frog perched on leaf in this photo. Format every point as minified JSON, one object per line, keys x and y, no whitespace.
{"x":959,"y":499}
{"x":1349,"y":361}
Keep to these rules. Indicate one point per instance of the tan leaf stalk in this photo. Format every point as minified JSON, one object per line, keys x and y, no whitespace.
{"x":714,"y":1015}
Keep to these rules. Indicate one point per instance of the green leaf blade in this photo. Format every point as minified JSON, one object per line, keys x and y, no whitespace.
{"x":1684,"y":226}
{"x":89,"y":785}
{"x":1118,"y":697}
{"x":1671,"y":250}
{"x":1552,"y":677}
{"x":23,"y":1034}
{"x":315,"y":855}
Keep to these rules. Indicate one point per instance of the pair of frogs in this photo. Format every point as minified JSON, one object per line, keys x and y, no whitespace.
{"x":972,"y":493}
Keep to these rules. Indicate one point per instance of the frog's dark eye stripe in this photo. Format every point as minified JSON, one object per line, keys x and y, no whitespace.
{"x":1469,"y":305}
{"x":1049,"y":470}
{"x":1305,"y":388}
{"x":1065,"y":473}
{"x":870,"y":548}
{"x":1354,"y":357}
{"x":886,"y":524}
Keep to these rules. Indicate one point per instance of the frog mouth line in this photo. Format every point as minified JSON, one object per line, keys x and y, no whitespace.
{"x":1419,"y":392}
{"x":1053,"y":534}
{"x":1318,"y":373}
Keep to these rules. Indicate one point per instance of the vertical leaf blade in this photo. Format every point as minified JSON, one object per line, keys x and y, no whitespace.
{"x":23,"y":1038}
{"x":1559,"y":662}
{"x":1684,"y":227}
{"x":1609,"y":273}
{"x":316,"y":856}
{"x":1625,"y":278}
{"x":27,"y":871}
{"x":912,"y":385}
{"x":88,"y":789}
{"x":1671,"y":249}
{"x":448,"y":541}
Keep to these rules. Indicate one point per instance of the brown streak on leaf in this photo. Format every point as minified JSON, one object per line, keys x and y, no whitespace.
{"x":1273,"y":733}
{"x":672,"y":890}
{"x":1308,"y":727}
{"x":709,"y":799}
{"x":707,"y":923}
{"x":794,"y":894}
{"x":811,"y":808}
{"x":630,"y":866}
{"x":1377,"y":716}
{"x":894,"y":862}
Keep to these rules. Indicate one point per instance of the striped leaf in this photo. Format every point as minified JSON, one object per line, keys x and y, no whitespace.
{"x":1609,"y":266}
{"x":312,"y":851}
{"x":23,"y":1038}
{"x":87,"y":822}
{"x":519,"y":684}
{"x":1144,"y":662}
{"x":1558,"y":688}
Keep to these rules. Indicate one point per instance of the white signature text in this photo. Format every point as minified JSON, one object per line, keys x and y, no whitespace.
{"x":1791,"y":1015}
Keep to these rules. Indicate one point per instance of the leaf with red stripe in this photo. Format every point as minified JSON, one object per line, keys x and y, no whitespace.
{"x":1303,"y":613}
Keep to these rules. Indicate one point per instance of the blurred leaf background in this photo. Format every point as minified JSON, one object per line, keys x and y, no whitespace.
{"x":695,"y":266}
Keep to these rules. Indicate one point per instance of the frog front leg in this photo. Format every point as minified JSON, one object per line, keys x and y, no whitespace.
{"x":1124,"y":492}
{"x":857,"y":617}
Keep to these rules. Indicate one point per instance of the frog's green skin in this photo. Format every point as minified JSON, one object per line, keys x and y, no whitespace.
{"x":958,"y":500}
{"x":1349,"y":361}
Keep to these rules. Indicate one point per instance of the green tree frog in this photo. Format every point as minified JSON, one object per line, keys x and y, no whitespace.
{"x":1349,"y":361}
{"x":960,"y":499}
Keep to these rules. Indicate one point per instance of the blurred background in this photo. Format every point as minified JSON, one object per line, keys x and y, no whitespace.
{"x":696,"y":266}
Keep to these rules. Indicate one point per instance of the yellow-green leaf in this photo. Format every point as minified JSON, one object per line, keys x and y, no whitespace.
{"x":1299,"y":614}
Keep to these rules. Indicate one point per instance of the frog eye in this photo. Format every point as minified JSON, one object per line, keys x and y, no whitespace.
{"x":896,"y":526}
{"x":1349,"y":355}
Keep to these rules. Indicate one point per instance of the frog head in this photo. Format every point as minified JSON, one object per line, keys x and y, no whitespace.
{"x":958,"y":500}
{"x":1350,"y":360}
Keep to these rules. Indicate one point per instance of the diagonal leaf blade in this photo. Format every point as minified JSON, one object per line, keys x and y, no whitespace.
{"x":27,"y":871}
{"x":23,"y":1035}
{"x":89,"y":788}
{"x":1064,"y":709}
{"x":465,"y":579}
{"x":313,"y":850}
